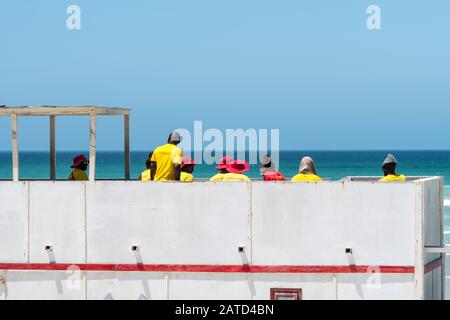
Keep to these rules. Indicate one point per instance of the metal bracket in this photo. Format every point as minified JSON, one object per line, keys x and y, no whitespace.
{"x":444,"y":249}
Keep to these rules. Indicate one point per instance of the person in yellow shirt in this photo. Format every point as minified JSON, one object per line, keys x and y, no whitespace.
{"x":307,"y":171}
{"x":187,"y":168}
{"x":165,"y":163}
{"x":79,"y":166}
{"x":389,"y":166}
{"x":222,"y":167}
{"x":146,"y":174}
{"x":235,"y":170}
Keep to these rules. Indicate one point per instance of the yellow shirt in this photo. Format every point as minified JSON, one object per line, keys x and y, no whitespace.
{"x":78,"y":175}
{"x":145,"y":175}
{"x":393,"y":178}
{"x":306,"y":177}
{"x":187,"y":177}
{"x":165,"y":157}
{"x":217,"y":177}
{"x":234,"y":177}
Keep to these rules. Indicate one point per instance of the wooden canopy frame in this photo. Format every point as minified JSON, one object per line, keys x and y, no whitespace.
{"x":52,"y":111}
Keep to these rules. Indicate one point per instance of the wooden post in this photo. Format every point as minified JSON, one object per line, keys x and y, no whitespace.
{"x":126,"y":127}
{"x":92,"y":147}
{"x":52,"y":149}
{"x":15,"y":148}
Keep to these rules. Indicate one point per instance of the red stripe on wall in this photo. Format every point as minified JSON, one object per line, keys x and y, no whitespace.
{"x":431,"y":266}
{"x":207,"y":268}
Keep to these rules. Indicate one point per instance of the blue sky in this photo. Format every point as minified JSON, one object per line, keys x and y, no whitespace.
{"x":309,"y":68}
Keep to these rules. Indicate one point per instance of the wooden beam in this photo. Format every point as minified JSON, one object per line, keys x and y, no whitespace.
{"x":15,"y":148}
{"x":63,"y":111}
{"x":126,"y":127}
{"x":52,"y":149}
{"x":92,"y":147}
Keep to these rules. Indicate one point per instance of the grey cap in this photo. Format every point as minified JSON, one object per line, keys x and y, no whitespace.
{"x":266,"y":165}
{"x":175,"y":137}
{"x":390,"y":159}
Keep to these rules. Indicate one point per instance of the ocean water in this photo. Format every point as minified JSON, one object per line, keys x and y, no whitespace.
{"x":330,"y":164}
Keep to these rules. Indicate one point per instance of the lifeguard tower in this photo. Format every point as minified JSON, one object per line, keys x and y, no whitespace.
{"x":54,"y":111}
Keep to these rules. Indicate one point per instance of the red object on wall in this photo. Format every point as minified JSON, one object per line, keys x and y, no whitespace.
{"x":285,"y":294}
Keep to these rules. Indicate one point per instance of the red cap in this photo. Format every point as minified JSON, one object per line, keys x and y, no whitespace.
{"x":186,"y":160}
{"x":238,"y":166}
{"x":78,"y":159}
{"x":223,"y":162}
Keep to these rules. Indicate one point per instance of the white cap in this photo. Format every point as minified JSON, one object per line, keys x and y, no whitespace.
{"x":175,"y":137}
{"x":390,"y":159}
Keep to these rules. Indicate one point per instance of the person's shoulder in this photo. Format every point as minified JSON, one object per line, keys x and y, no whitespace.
{"x":235,"y":177}
{"x":184,"y":176}
{"x":159,"y":148}
{"x":217,"y":177}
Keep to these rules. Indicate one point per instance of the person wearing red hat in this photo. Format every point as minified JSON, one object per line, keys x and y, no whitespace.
{"x":79,"y":165}
{"x":222,"y":167}
{"x":235,"y":170}
{"x":187,"y":168}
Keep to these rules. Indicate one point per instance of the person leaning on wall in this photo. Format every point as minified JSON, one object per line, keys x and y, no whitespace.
{"x":236,"y":169}
{"x":79,"y":166}
{"x":165,"y":163}
{"x":222,"y":167}
{"x":307,"y":171}
{"x":389,"y":166}
{"x":187,"y":169}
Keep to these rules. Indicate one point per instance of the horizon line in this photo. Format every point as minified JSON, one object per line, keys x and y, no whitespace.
{"x":281,"y":150}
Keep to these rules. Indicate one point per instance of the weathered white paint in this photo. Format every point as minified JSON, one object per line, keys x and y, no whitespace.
{"x":44,"y":285}
{"x":57,"y":219}
{"x":207,"y":286}
{"x":172,"y":223}
{"x":433,"y":234}
{"x":126,"y":285}
{"x":360,"y":286}
{"x":205,"y":223}
{"x":13,"y":222}
{"x":327,"y":218}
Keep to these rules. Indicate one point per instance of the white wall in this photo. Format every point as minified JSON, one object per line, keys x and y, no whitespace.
{"x":312,"y":224}
{"x":433,"y":233}
{"x":205,"y":223}
{"x":13,"y":222}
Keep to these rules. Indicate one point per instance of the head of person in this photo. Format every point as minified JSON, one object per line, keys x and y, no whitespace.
{"x":148,"y":161}
{"x":223,"y":163}
{"x":389,"y":165}
{"x":238,"y":166}
{"x":80,"y":162}
{"x":266,"y":165}
{"x":187,"y":165}
{"x":174,"y":138}
{"x":307,"y":166}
